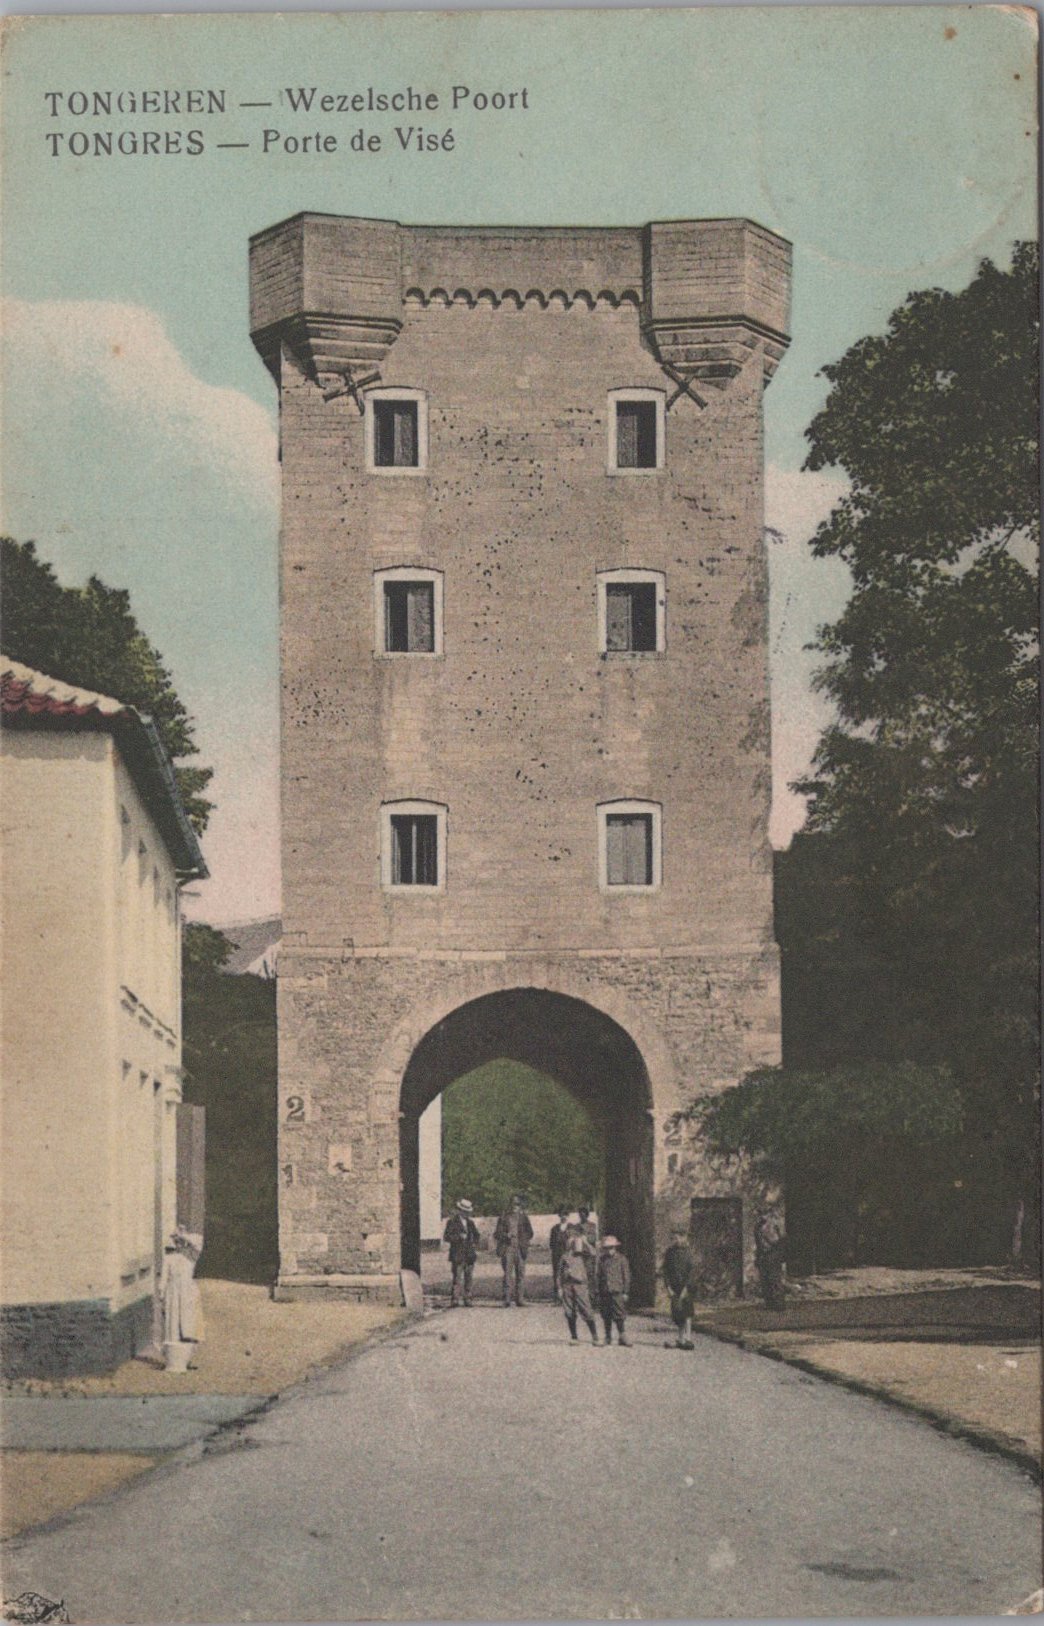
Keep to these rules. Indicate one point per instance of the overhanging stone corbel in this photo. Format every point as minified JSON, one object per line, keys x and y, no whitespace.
{"x":329,"y":289}
{"x":715,"y":291}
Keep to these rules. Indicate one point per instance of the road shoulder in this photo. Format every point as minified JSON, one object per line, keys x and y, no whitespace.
{"x":254,"y":1351}
{"x":967,"y":1360}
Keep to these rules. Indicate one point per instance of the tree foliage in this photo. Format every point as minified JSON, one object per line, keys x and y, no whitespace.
{"x":507,"y":1128}
{"x":204,"y":952}
{"x":923,"y":805}
{"x":804,"y":1119}
{"x":229,"y":1025}
{"x":933,"y":664}
{"x":905,"y":1114}
{"x":88,"y":636}
{"x":873,"y":1158}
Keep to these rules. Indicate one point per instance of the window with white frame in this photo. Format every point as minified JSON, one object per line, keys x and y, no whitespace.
{"x":631,"y":612}
{"x":408,"y":611}
{"x":629,"y":857}
{"x":636,"y":431}
{"x":413,"y":846}
{"x":396,"y":422}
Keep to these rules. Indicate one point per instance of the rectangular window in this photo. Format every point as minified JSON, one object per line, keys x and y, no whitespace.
{"x":629,"y":849}
{"x":409,"y":618}
{"x":630,"y":617}
{"x":414,"y":849}
{"x":636,"y":434}
{"x":395,"y":436}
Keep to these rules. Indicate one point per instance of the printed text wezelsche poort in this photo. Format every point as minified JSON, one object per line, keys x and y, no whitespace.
{"x":107,"y":123}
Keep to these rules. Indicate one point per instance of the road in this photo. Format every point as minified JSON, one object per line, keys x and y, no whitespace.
{"x":476,"y":1465}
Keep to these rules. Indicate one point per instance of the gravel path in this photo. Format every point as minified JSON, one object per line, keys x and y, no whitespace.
{"x":477,"y":1466}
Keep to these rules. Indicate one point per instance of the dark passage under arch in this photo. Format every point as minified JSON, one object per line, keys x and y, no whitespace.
{"x":588,"y":1053}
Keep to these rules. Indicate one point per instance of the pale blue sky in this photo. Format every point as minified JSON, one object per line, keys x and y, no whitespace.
{"x":894,"y":146}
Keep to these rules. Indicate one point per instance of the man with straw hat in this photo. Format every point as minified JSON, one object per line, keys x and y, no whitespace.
{"x":461,"y":1234}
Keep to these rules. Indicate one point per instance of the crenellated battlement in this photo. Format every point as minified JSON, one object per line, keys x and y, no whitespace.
{"x":336,"y":289}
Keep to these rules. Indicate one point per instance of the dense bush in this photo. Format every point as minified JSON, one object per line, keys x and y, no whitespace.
{"x":230,"y":1069}
{"x":507,"y":1128}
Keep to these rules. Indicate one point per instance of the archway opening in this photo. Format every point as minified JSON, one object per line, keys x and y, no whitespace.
{"x":589,"y":1055}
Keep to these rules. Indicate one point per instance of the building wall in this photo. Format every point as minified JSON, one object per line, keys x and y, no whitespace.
{"x":349,"y":1025}
{"x":520,"y":727}
{"x":89,"y":1064}
{"x":432,"y":1219}
{"x":147,"y":988}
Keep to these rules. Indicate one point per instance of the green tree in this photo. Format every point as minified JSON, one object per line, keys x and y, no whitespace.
{"x":856,"y":1145}
{"x":923,"y":794}
{"x":88,"y":636}
{"x":508,"y":1128}
{"x":229,"y":1027}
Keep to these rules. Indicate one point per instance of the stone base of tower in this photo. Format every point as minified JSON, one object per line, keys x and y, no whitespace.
{"x":368,"y":1039}
{"x":375,"y":1289}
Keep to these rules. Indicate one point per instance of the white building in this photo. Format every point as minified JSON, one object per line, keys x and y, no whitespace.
{"x":96,"y":845}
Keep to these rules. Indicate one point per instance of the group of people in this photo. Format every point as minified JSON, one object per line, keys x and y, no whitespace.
{"x":591,"y":1274}
{"x":513,"y":1235}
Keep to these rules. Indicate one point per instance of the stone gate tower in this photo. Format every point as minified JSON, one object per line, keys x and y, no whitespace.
{"x":525,"y":727}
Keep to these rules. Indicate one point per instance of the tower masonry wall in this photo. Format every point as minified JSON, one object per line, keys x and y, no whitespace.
{"x":520,"y":727}
{"x":349,"y":1025}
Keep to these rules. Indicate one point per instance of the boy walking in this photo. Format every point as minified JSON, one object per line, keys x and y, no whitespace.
{"x":678,"y":1270}
{"x":614,"y":1284}
{"x":572,"y":1285}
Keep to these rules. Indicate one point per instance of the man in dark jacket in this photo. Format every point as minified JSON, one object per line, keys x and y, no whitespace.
{"x":589,"y":1232}
{"x":678,"y":1272}
{"x":614,"y":1284}
{"x":558,"y":1247}
{"x":512,"y":1237}
{"x":770,"y":1253}
{"x":461,"y":1234}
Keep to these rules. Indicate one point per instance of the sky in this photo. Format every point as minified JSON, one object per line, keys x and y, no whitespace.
{"x":895,"y":147}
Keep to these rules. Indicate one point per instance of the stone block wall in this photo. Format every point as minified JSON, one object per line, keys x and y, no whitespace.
{"x":350,"y":1024}
{"x":74,"y":1339}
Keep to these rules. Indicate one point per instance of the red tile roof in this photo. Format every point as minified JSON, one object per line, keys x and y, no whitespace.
{"x":23,"y":689}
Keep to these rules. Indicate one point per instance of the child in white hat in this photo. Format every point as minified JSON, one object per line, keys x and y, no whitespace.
{"x":614,"y":1285}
